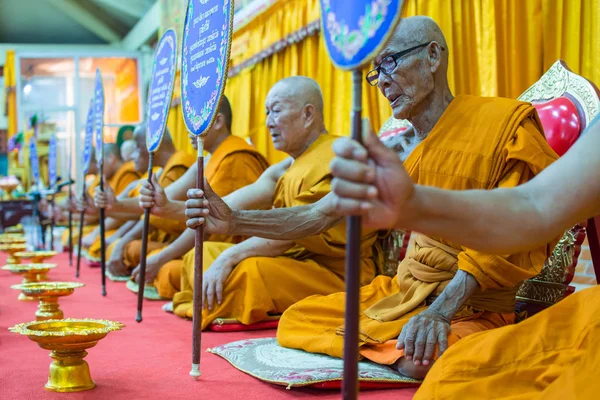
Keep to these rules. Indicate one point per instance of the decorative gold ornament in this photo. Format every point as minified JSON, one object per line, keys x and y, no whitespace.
{"x":36,"y":257}
{"x":31,"y":273}
{"x":12,"y":249}
{"x":48,"y":294}
{"x":67,"y":340}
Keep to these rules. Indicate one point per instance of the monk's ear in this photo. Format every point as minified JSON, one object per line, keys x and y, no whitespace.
{"x":309,"y":114}
{"x":434,"y":56}
{"x":219,"y":121}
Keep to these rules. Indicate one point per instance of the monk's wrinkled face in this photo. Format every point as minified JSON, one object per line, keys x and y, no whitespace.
{"x":410,"y":83}
{"x":286,"y":121}
{"x":140,"y":154}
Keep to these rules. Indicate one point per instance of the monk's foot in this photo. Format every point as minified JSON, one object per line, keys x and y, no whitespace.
{"x":168,"y":307}
{"x":408,"y":368}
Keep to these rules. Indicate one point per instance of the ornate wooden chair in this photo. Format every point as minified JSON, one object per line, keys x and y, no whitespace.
{"x":566,"y":104}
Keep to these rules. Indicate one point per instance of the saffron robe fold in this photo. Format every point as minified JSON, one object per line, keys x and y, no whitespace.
{"x":233,"y":165}
{"x":478,"y":143}
{"x":552,"y":355}
{"x":259,"y":286}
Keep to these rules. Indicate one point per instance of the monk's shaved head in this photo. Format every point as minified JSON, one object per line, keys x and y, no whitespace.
{"x":295,"y":114}
{"x":302,"y":89}
{"x":413,"y":68}
{"x":112,"y":149}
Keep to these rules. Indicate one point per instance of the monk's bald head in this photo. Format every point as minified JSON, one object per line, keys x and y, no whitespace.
{"x":294,"y":109}
{"x":301,"y":89}
{"x":411,"y":78}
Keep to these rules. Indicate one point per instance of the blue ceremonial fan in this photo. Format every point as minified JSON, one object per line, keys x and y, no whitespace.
{"x":99,"y":117}
{"x":205,"y":57}
{"x":356,"y":30}
{"x":52,"y":161}
{"x":89,"y":138}
{"x":34,"y":161}
{"x":161,"y":89}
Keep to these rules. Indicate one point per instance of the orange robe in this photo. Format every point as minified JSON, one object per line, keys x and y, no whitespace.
{"x":259,"y":286}
{"x":233,"y":165}
{"x":164,"y":230}
{"x":478,"y":143}
{"x":118,"y":182}
{"x":552,"y":356}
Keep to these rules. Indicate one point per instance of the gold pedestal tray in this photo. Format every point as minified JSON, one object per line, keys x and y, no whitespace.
{"x":12,"y":249}
{"x":36,"y":257}
{"x":48,"y":294}
{"x":67,"y":339}
{"x":31,"y":273}
{"x":14,"y":229}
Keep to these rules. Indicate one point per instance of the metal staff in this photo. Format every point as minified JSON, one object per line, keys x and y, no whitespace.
{"x":70,"y":215}
{"x":198,"y":271}
{"x":81,"y":220}
{"x":146,"y":228}
{"x":353,"y":232}
{"x":102,"y":233}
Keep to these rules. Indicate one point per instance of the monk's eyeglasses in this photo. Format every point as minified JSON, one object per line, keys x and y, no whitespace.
{"x":389,"y":64}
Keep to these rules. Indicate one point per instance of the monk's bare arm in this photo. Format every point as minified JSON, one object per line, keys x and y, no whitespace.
{"x":257,"y":247}
{"x":509,"y":220}
{"x":177,"y":190}
{"x":127,"y":205}
{"x":258,"y":195}
{"x":177,"y":249}
{"x":286,"y":223}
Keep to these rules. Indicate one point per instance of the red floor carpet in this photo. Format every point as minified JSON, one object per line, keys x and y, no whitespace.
{"x":150,"y":360}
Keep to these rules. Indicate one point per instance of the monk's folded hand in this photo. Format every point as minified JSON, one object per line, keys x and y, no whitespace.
{"x":370,"y":181}
{"x":421,"y":335}
{"x":153,"y":265}
{"x":207,"y":207}
{"x":214,"y":278}
{"x":115,"y":264}
{"x":153,"y":196}
{"x":104,"y":198}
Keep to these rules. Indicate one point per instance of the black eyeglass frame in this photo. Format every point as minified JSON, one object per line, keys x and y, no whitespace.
{"x":374,"y":79}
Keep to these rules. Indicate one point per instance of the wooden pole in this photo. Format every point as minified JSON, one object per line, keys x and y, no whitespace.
{"x":81,"y":219}
{"x":102,"y":234}
{"x":70,"y":217}
{"x":52,"y":223}
{"x":353,"y":232}
{"x":198,"y":270}
{"x":142,"y":284}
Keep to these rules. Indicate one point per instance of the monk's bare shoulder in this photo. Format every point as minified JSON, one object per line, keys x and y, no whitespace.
{"x":275,"y":171}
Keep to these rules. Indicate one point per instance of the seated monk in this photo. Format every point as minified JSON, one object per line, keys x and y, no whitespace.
{"x":233,"y":164}
{"x":118,"y":176}
{"x":124,"y":253}
{"x":258,"y":277}
{"x":458,"y":143}
{"x":551,"y":355}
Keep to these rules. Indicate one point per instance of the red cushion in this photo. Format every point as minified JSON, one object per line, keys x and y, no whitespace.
{"x":241,"y":327}
{"x":337,"y":385}
{"x":94,"y":264}
{"x":560,"y":120}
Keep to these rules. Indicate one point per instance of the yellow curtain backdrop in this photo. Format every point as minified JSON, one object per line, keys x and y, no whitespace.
{"x":497,"y":48}
{"x":10,"y":85}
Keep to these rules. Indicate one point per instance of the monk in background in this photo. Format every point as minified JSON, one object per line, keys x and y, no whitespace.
{"x":118,"y":176}
{"x":258,"y":277}
{"x":233,"y":164}
{"x":127,"y":149}
{"x":124,"y":253}
{"x":552,"y":355}
{"x":457,"y":143}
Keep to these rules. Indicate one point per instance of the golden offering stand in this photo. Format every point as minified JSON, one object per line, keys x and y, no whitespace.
{"x":8,"y":189}
{"x":32,"y":273}
{"x":14,"y":229}
{"x":36,"y":257}
{"x":12,"y":249}
{"x":67,"y":340}
{"x":48,"y":294}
